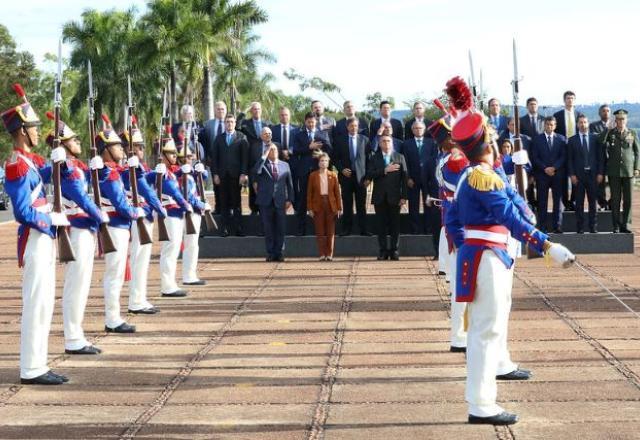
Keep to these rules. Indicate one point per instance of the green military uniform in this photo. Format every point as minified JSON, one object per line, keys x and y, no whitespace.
{"x":622,"y":155}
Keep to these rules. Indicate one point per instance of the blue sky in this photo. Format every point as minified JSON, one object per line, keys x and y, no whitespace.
{"x":405,"y":48}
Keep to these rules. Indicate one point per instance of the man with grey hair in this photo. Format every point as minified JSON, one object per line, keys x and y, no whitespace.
{"x":418,"y":116}
{"x":325,"y":123}
{"x":213,"y":128}
{"x":252,"y":128}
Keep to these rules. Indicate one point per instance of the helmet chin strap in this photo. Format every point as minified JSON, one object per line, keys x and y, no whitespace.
{"x":28,"y":136}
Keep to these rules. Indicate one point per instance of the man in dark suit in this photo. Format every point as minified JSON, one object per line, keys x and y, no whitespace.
{"x":566,"y":126}
{"x":274,"y":196}
{"x":308,"y":144}
{"x":532,"y":124}
{"x":284,"y":133}
{"x":385,"y":116}
{"x":229,"y":169}
{"x":585,"y":169}
{"x":548,"y":157}
{"x":386,"y":129}
{"x":510,"y":134}
{"x":418,"y":116}
{"x":252,"y":129}
{"x":349,"y":110}
{"x":498,"y":121}
{"x":324,"y":123}
{"x":418,"y":151}
{"x":389,"y":173}
{"x":351,"y":153}
{"x":605,"y":123}
{"x":212,"y":129}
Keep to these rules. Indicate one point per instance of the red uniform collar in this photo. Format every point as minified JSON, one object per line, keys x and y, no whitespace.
{"x":33,"y":157}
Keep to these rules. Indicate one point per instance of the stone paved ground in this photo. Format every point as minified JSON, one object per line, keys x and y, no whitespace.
{"x":354,"y":349}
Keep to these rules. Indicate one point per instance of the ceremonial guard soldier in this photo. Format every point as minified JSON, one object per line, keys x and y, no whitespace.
{"x":121,"y":214}
{"x":85,"y":218}
{"x":140,"y":254}
{"x":483,"y":275}
{"x":190,"y":241}
{"x":621,"y":149}
{"x":26,"y":173}
{"x":176,"y":205}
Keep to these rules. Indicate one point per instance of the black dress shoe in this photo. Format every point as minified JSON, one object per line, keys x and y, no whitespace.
{"x":625,"y":230}
{"x":366,"y":234}
{"x":441,"y":273}
{"x":177,"y":294}
{"x":239,"y":234}
{"x":593,"y":230}
{"x":224,"y":233}
{"x":195,"y":283}
{"x":269,"y":258}
{"x":48,"y":378}
{"x":454,"y":349}
{"x":557,"y":231}
{"x":122,"y":328}
{"x":395,"y":256}
{"x":580,"y":231}
{"x":87,"y":349}
{"x":383,"y":255}
{"x":519,"y":374}
{"x":279,"y":258}
{"x":62,"y":377}
{"x":146,"y":311}
{"x":615,"y":230}
{"x":504,"y":418}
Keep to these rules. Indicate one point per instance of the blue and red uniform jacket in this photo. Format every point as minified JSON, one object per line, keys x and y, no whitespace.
{"x":81,"y":210}
{"x":448,"y":174}
{"x":192,"y":192}
{"x":485,"y":208}
{"x":172,"y":199}
{"x":147,"y":197}
{"x":25,"y":177}
{"x":114,"y":197}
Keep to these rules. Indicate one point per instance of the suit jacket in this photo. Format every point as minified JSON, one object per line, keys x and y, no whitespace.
{"x":256,"y":151}
{"x":232,"y":159}
{"x":417,"y":161}
{"x":397,"y":144}
{"x":561,"y":124}
{"x":543,"y":156}
{"x":341,"y":128}
{"x":580,"y":158}
{"x":396,"y":125}
{"x":528,"y":129}
{"x":304,"y":162}
{"x":390,"y":187}
{"x":526,"y":140}
{"x":408,"y":132}
{"x":326,"y":121}
{"x":502,"y":123}
{"x":276,"y":131}
{"x":277,"y":191}
{"x":598,"y":127}
{"x":249,"y":130}
{"x":342,"y":156}
{"x":314,"y":199}
{"x":207,"y":137}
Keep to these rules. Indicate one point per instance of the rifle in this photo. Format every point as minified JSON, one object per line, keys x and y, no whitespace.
{"x":190,"y":226}
{"x":208,"y":217}
{"x":143,"y":232}
{"x":163,"y":233}
{"x":65,"y":251}
{"x":106,"y":243}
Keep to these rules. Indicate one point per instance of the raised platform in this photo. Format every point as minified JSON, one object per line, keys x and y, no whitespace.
{"x":410,"y":245}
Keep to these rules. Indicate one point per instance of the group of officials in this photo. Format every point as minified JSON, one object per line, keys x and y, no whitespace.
{"x":161,"y":198}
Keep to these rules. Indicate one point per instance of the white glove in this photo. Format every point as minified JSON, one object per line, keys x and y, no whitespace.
{"x":189,"y":207}
{"x":58,"y":155}
{"x":140,"y":212}
{"x":104,"y":217}
{"x":186,"y":168}
{"x":161,"y":168}
{"x":59,"y":219}
{"x":199,"y":167}
{"x":207,"y":207}
{"x":96,"y":163}
{"x":164,"y":213}
{"x":520,"y":157}
{"x":133,"y":162}
{"x":561,"y":255}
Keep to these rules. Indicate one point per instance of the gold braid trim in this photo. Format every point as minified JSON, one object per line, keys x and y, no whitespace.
{"x":485,"y":180}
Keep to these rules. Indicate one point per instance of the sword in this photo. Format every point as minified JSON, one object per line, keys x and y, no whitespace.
{"x":473,"y":78}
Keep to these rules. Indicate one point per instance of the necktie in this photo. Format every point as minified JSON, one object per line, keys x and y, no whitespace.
{"x":386,"y":159}
{"x":533,"y":125}
{"x":585,"y":142}
{"x":353,"y":149}
{"x":419,"y":145}
{"x":285,"y":138}
{"x":274,"y":171}
{"x":219,"y":131}
{"x":570,"y":125}
{"x":311,"y":133}
{"x":229,"y":137}
{"x":549,"y":143}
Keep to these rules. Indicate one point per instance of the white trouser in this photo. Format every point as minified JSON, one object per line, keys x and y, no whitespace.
{"x":514,"y":248}
{"x":139,"y":257}
{"x":38,"y":297}
{"x":77,"y":282}
{"x":505,"y":365}
{"x":443,"y":252}
{"x":190,"y":252}
{"x":115,"y":264}
{"x":488,"y":316}
{"x":169,"y":254}
{"x":458,"y":333}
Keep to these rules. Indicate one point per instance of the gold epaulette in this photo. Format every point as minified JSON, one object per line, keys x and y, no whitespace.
{"x":485,"y":180}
